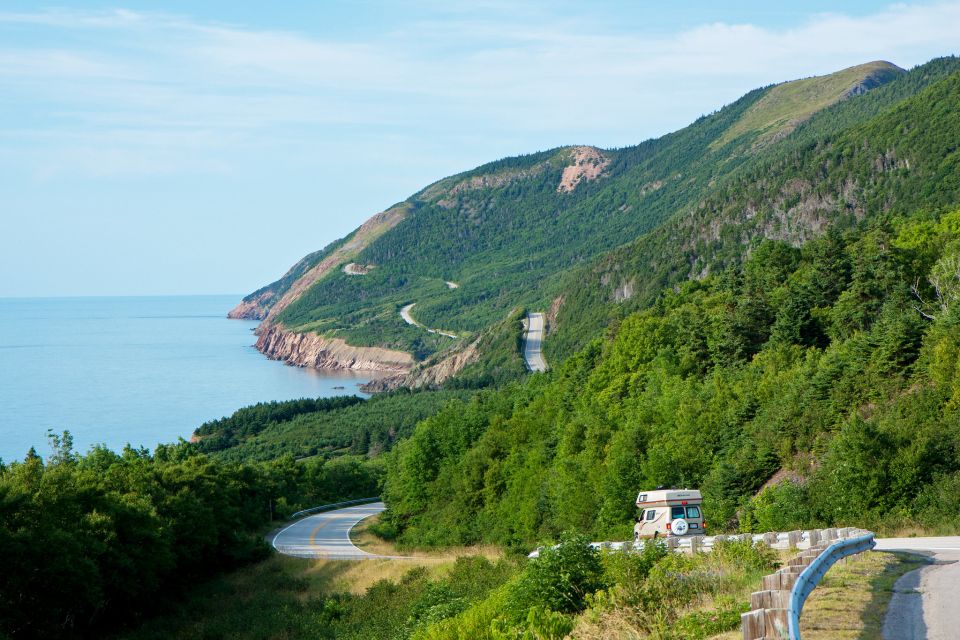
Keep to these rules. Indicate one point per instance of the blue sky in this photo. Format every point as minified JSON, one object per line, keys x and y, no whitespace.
{"x":181,"y":147}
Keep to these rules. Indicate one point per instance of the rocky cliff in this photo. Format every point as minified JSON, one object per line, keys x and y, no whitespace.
{"x":312,"y":350}
{"x":432,"y":373}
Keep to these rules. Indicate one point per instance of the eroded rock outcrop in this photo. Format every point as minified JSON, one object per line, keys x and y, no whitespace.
{"x":253,"y":309}
{"x":315,"y":351}
{"x":586,"y":163}
{"x":431,"y":373}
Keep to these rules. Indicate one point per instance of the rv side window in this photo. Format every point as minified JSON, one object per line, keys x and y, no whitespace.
{"x":676,"y":512}
{"x":693,"y":512}
{"x":651,"y":514}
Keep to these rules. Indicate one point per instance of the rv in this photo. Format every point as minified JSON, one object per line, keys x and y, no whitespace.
{"x":669,"y":512}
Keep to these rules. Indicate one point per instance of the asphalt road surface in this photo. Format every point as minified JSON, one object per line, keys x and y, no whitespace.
{"x":326,"y":535}
{"x":405,"y":314}
{"x":532,"y":340}
{"x":925,"y":605}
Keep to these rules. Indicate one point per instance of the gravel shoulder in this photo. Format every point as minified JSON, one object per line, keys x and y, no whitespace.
{"x":924,"y":604}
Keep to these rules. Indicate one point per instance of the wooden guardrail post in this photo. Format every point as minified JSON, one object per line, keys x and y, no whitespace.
{"x":696,"y":544}
{"x":753,"y":625}
{"x":764,"y":624}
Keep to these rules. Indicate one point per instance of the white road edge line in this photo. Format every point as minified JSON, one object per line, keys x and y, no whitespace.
{"x":277,"y":534}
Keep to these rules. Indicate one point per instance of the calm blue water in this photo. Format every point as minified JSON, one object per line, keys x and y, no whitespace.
{"x":133,"y":370}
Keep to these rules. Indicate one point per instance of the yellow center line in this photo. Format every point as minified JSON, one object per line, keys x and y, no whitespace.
{"x":313,"y":534}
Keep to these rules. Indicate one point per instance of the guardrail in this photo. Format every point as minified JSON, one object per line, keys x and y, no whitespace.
{"x":774,"y":540}
{"x":811,"y":576}
{"x":777,"y":608}
{"x":335,"y":505}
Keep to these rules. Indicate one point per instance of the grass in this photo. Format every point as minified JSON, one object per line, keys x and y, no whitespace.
{"x":851,"y":601}
{"x":700,"y":598}
{"x":786,"y":105}
{"x":362,"y":537}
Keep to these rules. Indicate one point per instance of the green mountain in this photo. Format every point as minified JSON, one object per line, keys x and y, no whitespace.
{"x":817,"y":386}
{"x":547,"y":231}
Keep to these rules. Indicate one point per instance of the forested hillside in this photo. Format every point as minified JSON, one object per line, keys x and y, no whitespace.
{"x":531,"y":231}
{"x":825,"y":375}
{"x":892,"y":150}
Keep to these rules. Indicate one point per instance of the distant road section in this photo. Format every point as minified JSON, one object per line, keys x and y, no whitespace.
{"x":532,"y":341}
{"x":924,"y":603}
{"x":327,"y":535}
{"x":405,"y":314}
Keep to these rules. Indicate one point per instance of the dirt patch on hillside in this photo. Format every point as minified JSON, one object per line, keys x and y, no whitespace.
{"x":587,"y":163}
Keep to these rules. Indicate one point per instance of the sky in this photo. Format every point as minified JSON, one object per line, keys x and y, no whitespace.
{"x":164,"y":148}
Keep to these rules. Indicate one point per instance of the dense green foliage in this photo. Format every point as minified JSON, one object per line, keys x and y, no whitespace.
{"x":278,"y":599}
{"x":819,"y":362}
{"x":327,"y":427}
{"x":249,"y":421}
{"x":892,"y":150}
{"x":88,"y":542}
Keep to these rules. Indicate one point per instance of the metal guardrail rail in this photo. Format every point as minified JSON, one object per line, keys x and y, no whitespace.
{"x":811,"y":576}
{"x":776,"y":609}
{"x":335,"y":505}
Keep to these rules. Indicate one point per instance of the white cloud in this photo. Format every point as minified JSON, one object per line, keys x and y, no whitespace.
{"x":180,"y":79}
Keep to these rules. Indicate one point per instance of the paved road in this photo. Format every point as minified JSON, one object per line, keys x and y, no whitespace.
{"x":327,"y":535}
{"x":532,"y":340}
{"x":924,"y":604}
{"x":405,"y":314}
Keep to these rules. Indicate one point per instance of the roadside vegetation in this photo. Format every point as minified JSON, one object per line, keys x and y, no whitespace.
{"x":572,"y":589}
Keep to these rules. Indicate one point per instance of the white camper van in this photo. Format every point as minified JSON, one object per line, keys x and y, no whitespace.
{"x":669,"y":512}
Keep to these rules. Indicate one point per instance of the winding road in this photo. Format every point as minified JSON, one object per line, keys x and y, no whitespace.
{"x":924,"y":604}
{"x":327,"y":535}
{"x":532,"y":341}
{"x":405,"y":314}
{"x":923,"y":607}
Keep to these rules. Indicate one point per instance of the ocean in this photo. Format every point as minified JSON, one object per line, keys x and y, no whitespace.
{"x":134,"y":370}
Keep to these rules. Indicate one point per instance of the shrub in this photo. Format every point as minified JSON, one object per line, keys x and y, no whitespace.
{"x":561,"y":578}
{"x":745,"y":555}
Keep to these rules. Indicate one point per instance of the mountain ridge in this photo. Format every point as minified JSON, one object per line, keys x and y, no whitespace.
{"x":509,"y":231}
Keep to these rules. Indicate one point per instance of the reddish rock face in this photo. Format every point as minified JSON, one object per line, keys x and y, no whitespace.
{"x":314,"y":351}
{"x":249,"y":310}
{"x":587,"y":163}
